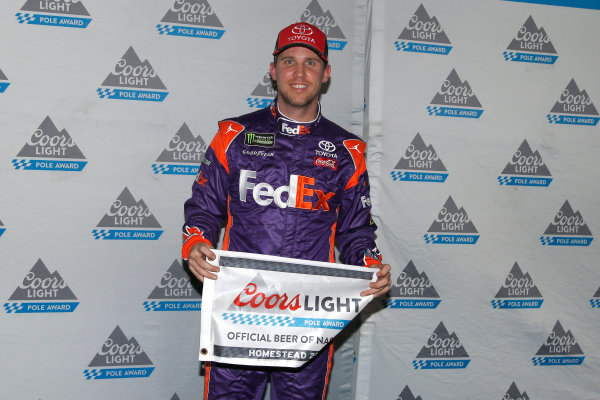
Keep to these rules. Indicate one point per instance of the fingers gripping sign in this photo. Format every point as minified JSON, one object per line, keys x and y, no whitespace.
{"x":197,"y":261}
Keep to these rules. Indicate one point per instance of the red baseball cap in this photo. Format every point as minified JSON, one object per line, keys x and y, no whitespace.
{"x":305,"y":35}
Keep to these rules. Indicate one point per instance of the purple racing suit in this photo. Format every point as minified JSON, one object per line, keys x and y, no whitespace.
{"x":287,"y":189}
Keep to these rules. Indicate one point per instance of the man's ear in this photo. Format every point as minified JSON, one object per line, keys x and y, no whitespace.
{"x":273,"y":71}
{"x":326,"y":73}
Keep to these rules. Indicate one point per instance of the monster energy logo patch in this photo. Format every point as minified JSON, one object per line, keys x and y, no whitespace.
{"x":260,"y":139}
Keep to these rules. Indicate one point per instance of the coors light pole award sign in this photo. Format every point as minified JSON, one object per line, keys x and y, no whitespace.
{"x":275,"y":311}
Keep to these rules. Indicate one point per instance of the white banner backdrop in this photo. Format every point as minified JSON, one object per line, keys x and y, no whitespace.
{"x":107,"y":107}
{"x":482,"y":140}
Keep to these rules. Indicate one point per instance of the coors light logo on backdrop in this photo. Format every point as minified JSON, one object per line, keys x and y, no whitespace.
{"x":560,"y":348}
{"x":263,"y":93}
{"x":423,"y":34}
{"x":567,"y":229}
{"x":174,"y":292}
{"x":2,"y":228}
{"x":191,"y":18}
{"x":182,"y":155}
{"x":518,"y":291}
{"x":134,"y":80}
{"x":175,"y":397}
{"x":452,"y":226}
{"x":442,"y":351}
{"x":3,"y":82}
{"x":531,"y":45}
{"x":325,"y":21}
{"x":420,"y":163}
{"x":526,"y":168}
{"x":455,"y":99}
{"x":50,"y":150}
{"x":412,"y":290}
{"x":574,"y":107}
{"x":513,"y":393}
{"x":65,"y":13}
{"x":119,"y":357}
{"x":406,"y":394}
{"x":595,"y":301}
{"x":125,"y":217}
{"x":42,"y":292}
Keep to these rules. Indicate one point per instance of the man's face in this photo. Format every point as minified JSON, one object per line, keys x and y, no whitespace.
{"x":299,"y":74}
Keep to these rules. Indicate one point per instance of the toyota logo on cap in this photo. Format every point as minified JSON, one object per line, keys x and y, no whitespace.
{"x":326,"y":146}
{"x":302,"y":30}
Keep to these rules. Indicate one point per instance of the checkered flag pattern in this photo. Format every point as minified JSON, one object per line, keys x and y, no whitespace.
{"x":92,"y":373}
{"x":497,"y":303}
{"x":398,"y":175}
{"x":105,"y":92}
{"x":503,"y":179}
{"x":537,"y":360}
{"x":151,"y":305}
{"x":258,"y":102}
{"x":545,"y":240}
{"x":401,"y":46}
{"x":25,"y":17}
{"x":419,"y":364}
{"x":268,"y":320}
{"x":595,"y":302}
{"x":162,"y":29}
{"x":429,"y":238}
{"x":100,"y":233}
{"x":160,"y":168}
{"x":21,"y":163}
{"x":553,"y":118}
{"x":434,"y":110}
{"x":509,"y":55}
{"x":13,"y":307}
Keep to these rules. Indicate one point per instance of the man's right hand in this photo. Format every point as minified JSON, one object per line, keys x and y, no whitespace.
{"x":198,"y":264}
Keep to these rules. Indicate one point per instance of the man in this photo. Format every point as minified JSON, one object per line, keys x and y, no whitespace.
{"x":289,"y":183}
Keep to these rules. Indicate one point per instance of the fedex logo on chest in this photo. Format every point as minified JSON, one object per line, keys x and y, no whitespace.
{"x":300,"y":192}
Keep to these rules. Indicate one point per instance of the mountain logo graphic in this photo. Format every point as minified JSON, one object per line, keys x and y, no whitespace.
{"x":119,"y":357}
{"x":324,"y":20}
{"x":560,"y":348}
{"x":49,"y":149}
{"x":412,"y":290}
{"x":132,"y":79}
{"x":573,"y":107}
{"x":183,"y":154}
{"x":2,"y":228}
{"x":442,"y":351}
{"x":518,"y":291}
{"x":263,"y":93}
{"x":595,"y":301}
{"x":526,"y":168}
{"x":69,"y":14}
{"x":455,"y":99}
{"x":191,"y":18}
{"x":531,"y":44}
{"x":175,"y":397}
{"x":125,"y":218}
{"x":175,"y":292}
{"x":4,"y":83}
{"x":567,"y":229}
{"x":452,"y":226}
{"x":423,"y":34}
{"x":42,"y":292}
{"x":513,"y":393}
{"x":406,"y":394}
{"x":420,"y":163}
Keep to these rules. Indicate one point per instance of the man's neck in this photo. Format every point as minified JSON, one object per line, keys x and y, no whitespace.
{"x":299,"y":114}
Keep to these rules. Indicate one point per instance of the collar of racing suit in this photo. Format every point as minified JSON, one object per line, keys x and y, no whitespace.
{"x":291,"y":127}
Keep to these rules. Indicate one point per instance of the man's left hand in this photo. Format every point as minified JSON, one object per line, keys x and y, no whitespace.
{"x":382,"y":285}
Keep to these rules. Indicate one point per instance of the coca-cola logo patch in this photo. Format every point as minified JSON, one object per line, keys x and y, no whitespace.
{"x":326,"y":162}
